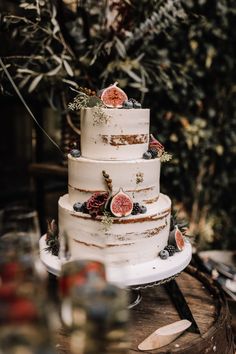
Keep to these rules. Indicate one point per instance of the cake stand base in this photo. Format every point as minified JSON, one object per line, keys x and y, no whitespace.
{"x":137,"y":276}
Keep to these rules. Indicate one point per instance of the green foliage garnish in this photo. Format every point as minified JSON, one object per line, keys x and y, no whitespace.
{"x":165,"y":157}
{"x":107,"y":220}
{"x":180,"y":223}
{"x":80,"y":101}
{"x":52,"y":238}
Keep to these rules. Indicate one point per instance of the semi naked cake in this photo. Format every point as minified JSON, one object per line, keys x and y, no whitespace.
{"x":114,"y":194}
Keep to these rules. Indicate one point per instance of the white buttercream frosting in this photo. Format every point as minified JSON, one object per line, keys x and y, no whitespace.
{"x":114,"y":141}
{"x":123,"y":136}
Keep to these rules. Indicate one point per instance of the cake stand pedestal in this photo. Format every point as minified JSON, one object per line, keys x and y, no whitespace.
{"x":138,"y":276}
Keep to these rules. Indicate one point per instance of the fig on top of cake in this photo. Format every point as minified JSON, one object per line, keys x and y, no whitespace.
{"x":109,"y":97}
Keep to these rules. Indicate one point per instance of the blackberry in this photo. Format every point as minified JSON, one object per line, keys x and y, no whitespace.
{"x":147,"y":155}
{"x":84,"y":208}
{"x":136,"y":209}
{"x":171,"y":249}
{"x":153,"y":152}
{"x":164,"y":254}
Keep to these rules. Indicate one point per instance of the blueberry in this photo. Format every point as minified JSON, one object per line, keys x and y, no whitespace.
{"x":147,"y":155}
{"x":75,"y":153}
{"x":164,"y":254}
{"x":128,"y":104}
{"x":153,"y":152}
{"x":77,"y":206}
{"x":137,"y":105}
{"x":143,"y":209}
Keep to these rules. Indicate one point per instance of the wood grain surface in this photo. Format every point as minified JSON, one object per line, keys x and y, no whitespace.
{"x":208,"y":307}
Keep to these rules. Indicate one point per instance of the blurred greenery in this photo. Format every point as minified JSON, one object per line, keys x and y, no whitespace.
{"x":178,"y":58}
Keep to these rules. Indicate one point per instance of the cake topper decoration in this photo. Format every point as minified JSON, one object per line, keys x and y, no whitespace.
{"x":109,"y":97}
{"x":85,"y":98}
{"x":113,"y":96}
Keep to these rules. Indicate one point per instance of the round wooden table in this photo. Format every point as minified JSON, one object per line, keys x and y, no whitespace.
{"x":207,"y":304}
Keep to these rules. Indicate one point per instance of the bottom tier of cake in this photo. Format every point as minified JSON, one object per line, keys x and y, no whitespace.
{"x":136,"y":276}
{"x":131,"y":240}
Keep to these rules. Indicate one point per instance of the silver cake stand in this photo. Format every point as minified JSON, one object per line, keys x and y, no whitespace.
{"x":137,"y":277}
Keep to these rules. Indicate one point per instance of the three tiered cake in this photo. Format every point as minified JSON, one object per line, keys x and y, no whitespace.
{"x":116,"y":147}
{"x":114,"y":210}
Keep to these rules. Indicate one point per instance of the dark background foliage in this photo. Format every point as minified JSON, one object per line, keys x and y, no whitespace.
{"x":178,"y":58}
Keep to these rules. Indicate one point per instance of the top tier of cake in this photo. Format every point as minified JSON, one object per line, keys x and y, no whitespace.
{"x":114,"y":134}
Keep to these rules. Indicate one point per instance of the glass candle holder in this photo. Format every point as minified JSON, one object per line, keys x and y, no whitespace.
{"x":19,"y":225}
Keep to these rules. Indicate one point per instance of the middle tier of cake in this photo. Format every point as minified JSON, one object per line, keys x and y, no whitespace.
{"x":139,"y":178}
{"x":133,"y":239}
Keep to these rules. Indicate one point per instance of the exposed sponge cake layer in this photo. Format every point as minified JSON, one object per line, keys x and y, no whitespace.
{"x":139,"y":178}
{"x":131,"y":240}
{"x":114,"y":134}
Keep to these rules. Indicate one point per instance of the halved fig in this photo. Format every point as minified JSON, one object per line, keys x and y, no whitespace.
{"x":113,"y":96}
{"x":121,"y":204}
{"x":176,"y":239}
{"x":154,"y":143}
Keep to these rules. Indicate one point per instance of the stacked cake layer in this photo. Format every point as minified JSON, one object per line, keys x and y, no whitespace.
{"x":114,"y":134}
{"x":140,"y":178}
{"x":132,"y":239}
